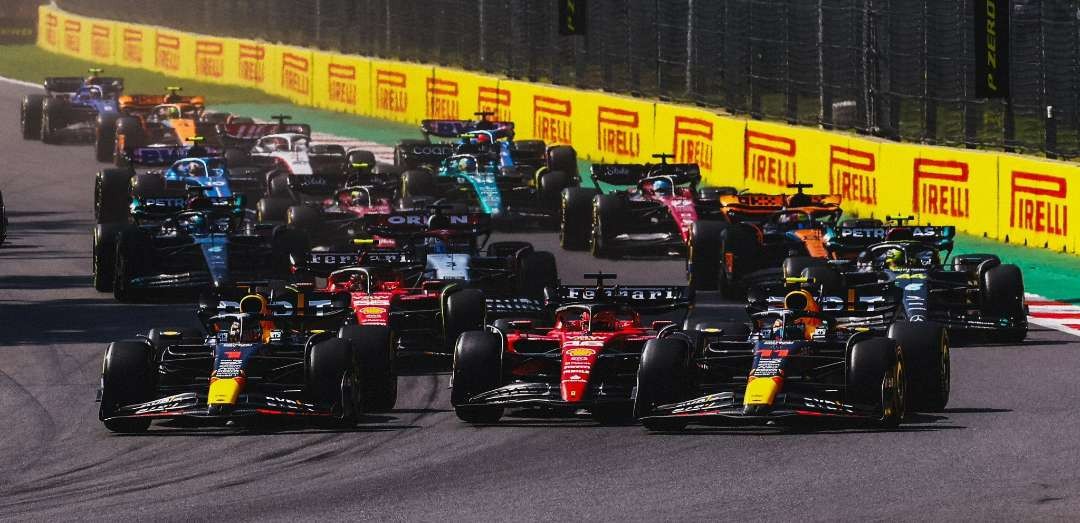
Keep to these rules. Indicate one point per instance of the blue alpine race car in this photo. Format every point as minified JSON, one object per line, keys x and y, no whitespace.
{"x":71,"y":106}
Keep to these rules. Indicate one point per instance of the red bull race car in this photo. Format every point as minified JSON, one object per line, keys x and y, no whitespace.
{"x":793,"y":362}
{"x":271,"y":354}
{"x":586,"y":358}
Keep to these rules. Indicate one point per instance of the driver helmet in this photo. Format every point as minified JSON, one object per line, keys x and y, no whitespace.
{"x":662,"y":187}
{"x":790,"y":332}
{"x":893,"y":259}
{"x":196,"y":170}
{"x":928,"y":258}
{"x":95,"y":92}
{"x":467,"y":164}
{"x":583,"y":320}
{"x":245,"y":330}
{"x":359,"y":198}
{"x":483,"y":138}
{"x":604,"y":321}
{"x":357,"y":282}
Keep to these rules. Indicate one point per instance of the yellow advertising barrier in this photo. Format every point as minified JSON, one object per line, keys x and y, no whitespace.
{"x":340,"y":83}
{"x":400,"y":90}
{"x":699,"y":136}
{"x":1036,"y":196}
{"x":1018,"y":199}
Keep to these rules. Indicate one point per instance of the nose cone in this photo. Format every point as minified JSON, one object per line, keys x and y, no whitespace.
{"x":224,"y":392}
{"x":761,"y":392}
{"x":577,"y":367}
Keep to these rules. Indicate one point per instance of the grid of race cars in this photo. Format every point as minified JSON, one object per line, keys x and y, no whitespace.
{"x":320,"y":273}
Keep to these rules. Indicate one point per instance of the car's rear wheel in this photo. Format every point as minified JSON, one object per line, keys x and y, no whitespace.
{"x":126,"y":379}
{"x":1003,"y":297}
{"x":30,"y":116}
{"x":925,"y":346}
{"x":374,"y":347}
{"x":463,"y":310}
{"x":477,"y":369}
{"x":704,"y":264}
{"x":563,"y":158}
{"x":740,"y":243}
{"x":134,"y":258}
{"x":551,"y":187}
{"x":536,"y":272}
{"x":417,"y":183}
{"x":105,"y":137}
{"x":575,"y":217}
{"x":278,"y":187}
{"x":609,"y":210}
{"x":104,"y":263}
{"x":50,"y":110}
{"x":272,"y":209}
{"x":112,"y":196}
{"x":303,"y":218}
{"x":662,"y":379}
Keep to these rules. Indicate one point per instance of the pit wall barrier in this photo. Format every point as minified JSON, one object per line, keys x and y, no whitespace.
{"x":1016,"y":199}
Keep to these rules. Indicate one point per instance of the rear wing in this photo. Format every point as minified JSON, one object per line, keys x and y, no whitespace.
{"x":324,"y":263}
{"x":631,"y":174}
{"x":456,"y":128}
{"x":166,"y":205}
{"x":858,"y":238}
{"x":254,"y":131}
{"x":146,"y":101}
{"x":425,"y":153}
{"x":162,"y":156}
{"x":71,"y":84}
{"x":643,"y":298}
{"x":776,"y":202}
{"x":417,"y":223}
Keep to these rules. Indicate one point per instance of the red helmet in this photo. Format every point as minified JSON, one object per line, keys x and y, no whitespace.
{"x":483,"y":138}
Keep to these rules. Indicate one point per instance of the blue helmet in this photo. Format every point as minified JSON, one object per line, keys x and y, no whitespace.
{"x":662,"y":187}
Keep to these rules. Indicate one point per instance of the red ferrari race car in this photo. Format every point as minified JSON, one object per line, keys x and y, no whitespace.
{"x":757,"y":237}
{"x":654,"y":217}
{"x":586,"y":359}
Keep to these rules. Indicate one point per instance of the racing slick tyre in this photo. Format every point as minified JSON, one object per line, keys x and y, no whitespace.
{"x":278,"y":187}
{"x":740,"y":242}
{"x":104,"y":264}
{"x":975,"y":264}
{"x":793,"y":265}
{"x":303,"y":218}
{"x":463,"y":310}
{"x":662,"y":378}
{"x":145,"y":185}
{"x":400,"y":159}
{"x":374,"y":347}
{"x":876,"y":376}
{"x":926,"y":355}
{"x":551,"y":187}
{"x":536,"y":272}
{"x":330,"y":372}
{"x":30,"y":116}
{"x":563,"y":158}
{"x":105,"y":137}
{"x":272,"y":209}
{"x":1003,"y":297}
{"x":358,"y":156}
{"x":727,"y":328}
{"x":126,"y":379}
{"x":289,"y":248}
{"x":134,"y":258}
{"x":160,"y":339}
{"x":112,"y":195}
{"x":477,"y":369}
{"x":50,"y":115}
{"x":609,"y":210}
{"x":822,"y":280}
{"x":417,"y":182}
{"x":131,"y":130}
{"x":704,"y":265}
{"x":575,"y":217}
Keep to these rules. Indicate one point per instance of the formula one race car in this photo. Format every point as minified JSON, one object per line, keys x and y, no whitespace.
{"x":119,"y":192}
{"x":797,"y":362}
{"x":757,"y":234}
{"x":70,"y":106}
{"x":653,"y":217}
{"x":267,"y":355}
{"x":515,"y":181}
{"x":210,"y":242}
{"x":586,"y":359}
{"x":153,"y":122}
{"x":425,"y":277}
{"x":907,"y":275}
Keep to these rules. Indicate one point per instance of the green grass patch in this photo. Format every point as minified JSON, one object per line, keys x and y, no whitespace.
{"x":32,"y":64}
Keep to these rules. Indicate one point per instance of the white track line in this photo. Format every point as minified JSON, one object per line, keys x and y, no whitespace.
{"x":20,"y":82}
{"x":1061,"y":316}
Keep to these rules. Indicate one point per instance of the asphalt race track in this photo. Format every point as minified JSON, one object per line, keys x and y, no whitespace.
{"x":1008,"y":447}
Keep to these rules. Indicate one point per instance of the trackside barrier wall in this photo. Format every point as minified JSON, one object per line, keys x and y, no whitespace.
{"x":1013,"y":198}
